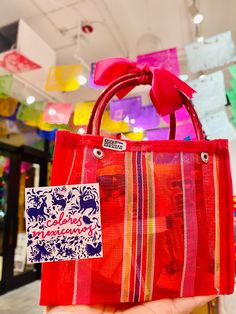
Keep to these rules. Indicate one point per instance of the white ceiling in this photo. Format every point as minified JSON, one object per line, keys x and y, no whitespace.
{"x":118,"y":26}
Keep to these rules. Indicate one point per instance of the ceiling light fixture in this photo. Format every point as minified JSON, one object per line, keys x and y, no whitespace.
{"x":126,"y":119}
{"x":52,"y":112}
{"x":184,"y":77}
{"x":82,"y":80}
{"x":196,"y":15}
{"x":30,"y":100}
{"x":200,"y":39}
{"x":202,"y":77}
{"x":86,"y":27}
{"x":81,"y":131}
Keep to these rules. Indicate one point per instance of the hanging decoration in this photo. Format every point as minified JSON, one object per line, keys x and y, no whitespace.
{"x":126,"y":108}
{"x":30,"y":114}
{"x":82,"y":113}
{"x":30,"y":51}
{"x":47,"y":135}
{"x":232,"y":70}
{"x":6,"y":82}
{"x":167,"y":59}
{"x":15,"y":62}
{"x":42,"y":125}
{"x":72,"y":127}
{"x":112,"y":126}
{"x":64,"y":78}
{"x":185,"y":131}
{"x":231,"y":93}
{"x":232,"y":83}
{"x":233,"y":119}
{"x":159,"y":134}
{"x":211,"y":94}
{"x":61,"y":127}
{"x":45,"y":126}
{"x":3,"y":128}
{"x":212,"y":52}
{"x":57,"y":113}
{"x":180,"y":114}
{"x":8,"y":106}
{"x":12,"y":127}
{"x":217,"y":125}
{"x":13,"y":117}
{"x":135,"y":136}
{"x":147,"y":119}
{"x":91,"y":77}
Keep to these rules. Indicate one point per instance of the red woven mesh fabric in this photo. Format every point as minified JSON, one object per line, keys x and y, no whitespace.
{"x":167,"y":222}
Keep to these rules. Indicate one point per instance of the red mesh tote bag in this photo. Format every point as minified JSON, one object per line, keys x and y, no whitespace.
{"x":166,"y":205}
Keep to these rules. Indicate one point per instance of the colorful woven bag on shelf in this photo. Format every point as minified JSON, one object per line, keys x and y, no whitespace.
{"x":166,"y":205}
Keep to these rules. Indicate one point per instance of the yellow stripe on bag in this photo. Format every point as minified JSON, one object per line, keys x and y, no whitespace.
{"x":127,"y":251}
{"x":151,"y":228}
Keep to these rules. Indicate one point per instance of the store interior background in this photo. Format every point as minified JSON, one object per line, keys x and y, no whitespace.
{"x":72,"y":32}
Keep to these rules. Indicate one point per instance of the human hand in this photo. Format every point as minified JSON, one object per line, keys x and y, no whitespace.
{"x":165,"y":306}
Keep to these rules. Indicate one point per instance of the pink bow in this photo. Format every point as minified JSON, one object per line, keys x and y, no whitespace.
{"x":166,"y":92}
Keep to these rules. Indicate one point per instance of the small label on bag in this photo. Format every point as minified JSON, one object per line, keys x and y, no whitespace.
{"x":63,"y":223}
{"x":114,"y":144}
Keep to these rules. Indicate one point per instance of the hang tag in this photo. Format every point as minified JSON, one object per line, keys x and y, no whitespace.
{"x":113,"y":144}
{"x":63,"y":223}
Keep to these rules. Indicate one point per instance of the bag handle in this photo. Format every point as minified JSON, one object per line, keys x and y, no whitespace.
{"x":132,"y":80}
{"x":121,"y":79}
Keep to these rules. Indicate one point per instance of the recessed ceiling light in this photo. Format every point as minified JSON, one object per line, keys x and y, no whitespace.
{"x":196,"y":15}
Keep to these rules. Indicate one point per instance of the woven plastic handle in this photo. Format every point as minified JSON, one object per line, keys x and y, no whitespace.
{"x":129,"y":80}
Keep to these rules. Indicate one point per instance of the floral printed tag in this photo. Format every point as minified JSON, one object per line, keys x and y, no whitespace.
{"x":63,"y":223}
